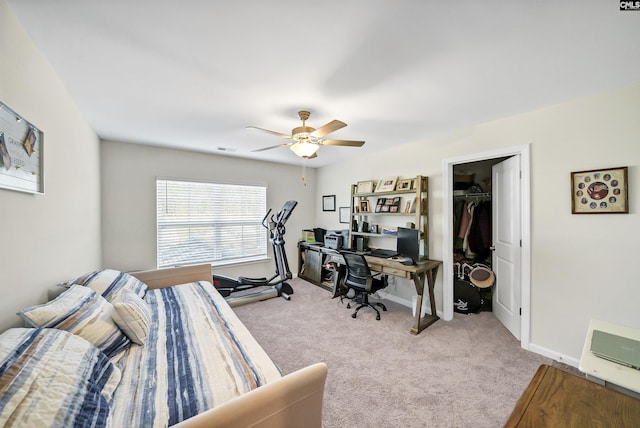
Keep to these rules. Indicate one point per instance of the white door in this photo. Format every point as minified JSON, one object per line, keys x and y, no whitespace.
{"x":507,"y":257}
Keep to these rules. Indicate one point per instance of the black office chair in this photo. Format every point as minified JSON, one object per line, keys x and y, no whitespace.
{"x":359,"y":278}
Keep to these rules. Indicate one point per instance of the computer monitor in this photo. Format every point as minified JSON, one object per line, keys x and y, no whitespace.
{"x":408,"y":244}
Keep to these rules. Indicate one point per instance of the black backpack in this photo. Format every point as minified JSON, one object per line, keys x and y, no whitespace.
{"x":466,"y":297}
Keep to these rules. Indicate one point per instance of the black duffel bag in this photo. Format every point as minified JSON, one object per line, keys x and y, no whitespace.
{"x":466,"y":297}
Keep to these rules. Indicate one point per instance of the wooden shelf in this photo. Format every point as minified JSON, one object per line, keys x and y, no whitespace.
{"x":378,"y":235}
{"x":385,"y":214}
{"x":395,"y":192}
{"x":374,"y":235}
{"x":419,"y":201}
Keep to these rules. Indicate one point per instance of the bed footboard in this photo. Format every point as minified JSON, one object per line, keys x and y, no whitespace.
{"x":295,"y":400}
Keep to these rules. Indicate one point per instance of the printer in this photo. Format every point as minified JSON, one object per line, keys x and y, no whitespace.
{"x":335,"y":239}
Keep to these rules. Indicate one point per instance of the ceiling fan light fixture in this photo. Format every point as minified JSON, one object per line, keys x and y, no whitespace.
{"x":304,"y":150}
{"x":305,"y":140}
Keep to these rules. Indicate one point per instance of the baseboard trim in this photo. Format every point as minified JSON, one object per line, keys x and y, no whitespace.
{"x":545,"y":352}
{"x":404,"y":302}
{"x":561,"y":358}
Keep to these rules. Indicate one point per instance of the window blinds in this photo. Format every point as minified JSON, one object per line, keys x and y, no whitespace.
{"x":202,"y":222}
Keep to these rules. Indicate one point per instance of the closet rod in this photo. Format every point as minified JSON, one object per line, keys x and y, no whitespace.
{"x":474,"y":196}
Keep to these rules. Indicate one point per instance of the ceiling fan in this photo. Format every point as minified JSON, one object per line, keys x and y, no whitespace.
{"x":305,"y":140}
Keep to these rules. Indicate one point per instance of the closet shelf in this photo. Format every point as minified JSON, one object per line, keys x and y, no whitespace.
{"x":473,"y":196}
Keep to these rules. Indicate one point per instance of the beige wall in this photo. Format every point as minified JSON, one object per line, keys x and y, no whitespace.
{"x":582,"y":265}
{"x":129,"y":200}
{"x":45,"y":238}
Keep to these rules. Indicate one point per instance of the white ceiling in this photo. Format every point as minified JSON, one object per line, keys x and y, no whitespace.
{"x":194,"y":74}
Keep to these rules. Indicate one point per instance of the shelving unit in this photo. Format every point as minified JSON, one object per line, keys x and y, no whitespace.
{"x":419,"y":213}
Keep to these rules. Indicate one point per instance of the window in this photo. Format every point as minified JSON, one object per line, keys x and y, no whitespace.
{"x":201,"y":222}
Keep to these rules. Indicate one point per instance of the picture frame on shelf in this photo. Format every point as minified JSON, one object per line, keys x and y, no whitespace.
{"x":379,"y":204}
{"x":387,"y":184}
{"x":394,"y":207}
{"x":329,"y":203}
{"x":365,"y":187}
{"x":412,"y":207}
{"x":405,"y":184}
{"x":364,"y":206}
{"x":344,"y":214}
{"x":600,"y":191}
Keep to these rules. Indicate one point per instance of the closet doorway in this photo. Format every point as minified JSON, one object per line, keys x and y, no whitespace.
{"x":508,"y":189}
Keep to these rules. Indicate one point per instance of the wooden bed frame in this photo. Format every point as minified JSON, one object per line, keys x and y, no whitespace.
{"x":294,"y":400}
{"x":159,"y":278}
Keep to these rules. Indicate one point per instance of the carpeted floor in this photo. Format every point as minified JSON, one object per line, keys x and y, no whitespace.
{"x":466,"y":372}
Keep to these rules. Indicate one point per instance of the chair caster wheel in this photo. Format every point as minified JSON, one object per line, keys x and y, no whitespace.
{"x":378,"y":317}
{"x":353,"y":315}
{"x":348,"y":305}
{"x":384,"y":309}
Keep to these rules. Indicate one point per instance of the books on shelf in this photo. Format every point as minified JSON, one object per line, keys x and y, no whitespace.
{"x":389,"y":230}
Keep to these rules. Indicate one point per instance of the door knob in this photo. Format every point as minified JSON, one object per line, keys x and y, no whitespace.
{"x":492,"y":248}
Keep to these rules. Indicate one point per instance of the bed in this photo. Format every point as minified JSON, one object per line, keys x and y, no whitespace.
{"x":196,"y":366}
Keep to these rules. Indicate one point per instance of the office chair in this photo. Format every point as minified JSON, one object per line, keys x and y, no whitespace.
{"x":359,"y":278}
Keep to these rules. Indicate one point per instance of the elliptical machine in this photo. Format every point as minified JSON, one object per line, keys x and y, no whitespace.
{"x":277,"y":285}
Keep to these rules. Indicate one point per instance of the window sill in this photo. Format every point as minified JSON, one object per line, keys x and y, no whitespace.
{"x":241,"y":262}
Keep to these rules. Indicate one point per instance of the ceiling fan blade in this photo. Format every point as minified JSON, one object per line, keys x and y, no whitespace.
{"x":328,"y":128}
{"x":273,"y":147}
{"x":277,"y":134}
{"x":349,"y":143}
{"x":315,"y":155}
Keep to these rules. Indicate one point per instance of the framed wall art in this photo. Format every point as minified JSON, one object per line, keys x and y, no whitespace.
{"x":21,"y":159}
{"x":345,"y":214}
{"x":601,"y":191}
{"x":329,"y":203}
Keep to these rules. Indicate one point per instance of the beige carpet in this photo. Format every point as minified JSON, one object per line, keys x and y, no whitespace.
{"x":468,"y":372}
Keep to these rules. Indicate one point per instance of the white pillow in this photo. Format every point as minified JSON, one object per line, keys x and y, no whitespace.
{"x":81,"y":311}
{"x":132,"y":315}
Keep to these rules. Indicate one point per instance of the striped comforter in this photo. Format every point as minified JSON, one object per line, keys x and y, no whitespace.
{"x":197,"y":356}
{"x":53,"y":378}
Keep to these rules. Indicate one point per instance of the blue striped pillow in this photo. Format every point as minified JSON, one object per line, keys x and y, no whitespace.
{"x":52,"y":378}
{"x":81,"y":311}
{"x":109,"y":282}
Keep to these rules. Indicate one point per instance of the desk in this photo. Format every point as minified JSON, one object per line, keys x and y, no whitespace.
{"x":423,"y":273}
{"x":556,"y":398}
{"x":608,"y":373}
{"x":424,"y":269}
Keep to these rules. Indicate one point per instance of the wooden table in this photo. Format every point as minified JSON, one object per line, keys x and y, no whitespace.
{"x":422,"y":274}
{"x":555,"y":398}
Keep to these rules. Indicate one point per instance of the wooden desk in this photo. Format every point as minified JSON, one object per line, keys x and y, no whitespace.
{"x":556,"y":398}
{"x":423,"y":273}
{"x":423,"y":270}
